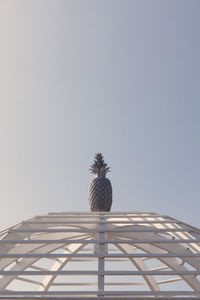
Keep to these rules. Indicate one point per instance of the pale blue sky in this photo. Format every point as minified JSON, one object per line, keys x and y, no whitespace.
{"x":117,"y":77}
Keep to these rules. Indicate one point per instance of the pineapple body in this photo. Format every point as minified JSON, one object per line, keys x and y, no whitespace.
{"x":100,"y":194}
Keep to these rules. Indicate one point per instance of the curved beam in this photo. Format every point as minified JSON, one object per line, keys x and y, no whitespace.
{"x":170,"y":262}
{"x":27,"y":262}
{"x":140,"y":265}
{"x":59,"y":265}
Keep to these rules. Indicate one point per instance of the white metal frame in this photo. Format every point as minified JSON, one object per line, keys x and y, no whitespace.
{"x":161,"y":252}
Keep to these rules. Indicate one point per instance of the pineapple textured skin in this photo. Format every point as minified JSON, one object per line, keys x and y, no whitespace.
{"x":100,"y":194}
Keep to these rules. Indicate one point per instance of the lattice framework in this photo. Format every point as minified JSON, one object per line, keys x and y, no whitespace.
{"x":100,"y":254}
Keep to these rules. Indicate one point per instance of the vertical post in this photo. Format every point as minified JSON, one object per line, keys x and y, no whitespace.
{"x":101,"y":253}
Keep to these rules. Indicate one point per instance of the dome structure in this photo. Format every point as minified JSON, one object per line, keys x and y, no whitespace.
{"x":100,"y":254}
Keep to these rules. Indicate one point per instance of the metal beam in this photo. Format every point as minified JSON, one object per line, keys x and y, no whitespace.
{"x":119,"y":241}
{"x":95,"y":255}
{"x":8,"y":273}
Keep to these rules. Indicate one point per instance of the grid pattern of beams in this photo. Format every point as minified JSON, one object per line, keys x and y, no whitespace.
{"x":100,"y":254}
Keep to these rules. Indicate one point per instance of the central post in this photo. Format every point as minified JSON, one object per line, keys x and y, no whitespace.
{"x":101,"y":254}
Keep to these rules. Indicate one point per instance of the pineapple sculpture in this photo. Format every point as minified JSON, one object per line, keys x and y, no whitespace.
{"x":100,"y":189}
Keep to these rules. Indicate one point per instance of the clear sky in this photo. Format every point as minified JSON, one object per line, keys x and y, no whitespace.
{"x":118,"y":77}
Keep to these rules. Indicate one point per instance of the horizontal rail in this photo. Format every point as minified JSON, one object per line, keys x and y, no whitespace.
{"x":105,"y":293}
{"x":100,"y":221}
{"x":95,"y":284}
{"x":77,"y":255}
{"x":170,"y":241}
{"x":99,"y":216}
{"x":100,"y":212}
{"x":169,"y":280}
{"x":120,"y":229}
{"x":81,"y":272}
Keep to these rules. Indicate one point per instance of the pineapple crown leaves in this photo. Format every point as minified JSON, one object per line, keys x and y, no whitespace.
{"x":99,"y":166}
